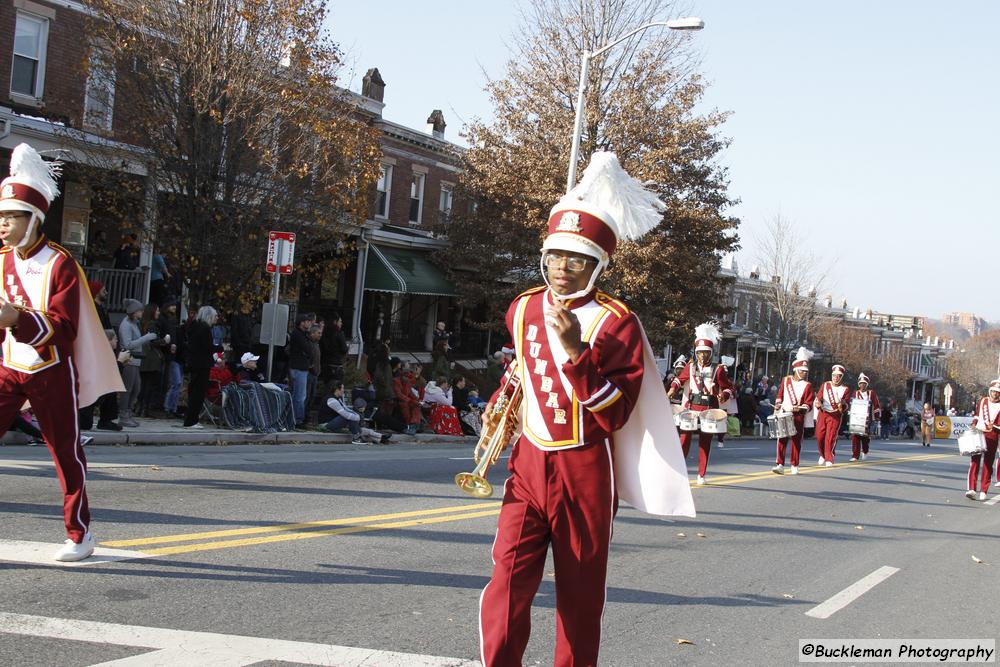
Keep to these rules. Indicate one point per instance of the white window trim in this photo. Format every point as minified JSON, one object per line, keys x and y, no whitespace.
{"x":450,"y":189}
{"x":107,"y":123}
{"x":388,"y":167}
{"x":43,"y":47}
{"x":420,"y":197}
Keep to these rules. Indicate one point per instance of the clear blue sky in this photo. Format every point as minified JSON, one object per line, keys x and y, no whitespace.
{"x":875,"y":126}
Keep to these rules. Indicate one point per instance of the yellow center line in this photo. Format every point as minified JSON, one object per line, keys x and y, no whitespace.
{"x":188,"y":537}
{"x":229,"y":544}
{"x":307,"y":530}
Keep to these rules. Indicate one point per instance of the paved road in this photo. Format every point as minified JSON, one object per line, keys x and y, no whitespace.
{"x":343,"y":555}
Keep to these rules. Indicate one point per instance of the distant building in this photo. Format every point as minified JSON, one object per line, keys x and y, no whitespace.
{"x":967,"y":321}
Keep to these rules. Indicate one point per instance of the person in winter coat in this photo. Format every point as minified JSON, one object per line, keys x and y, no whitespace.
{"x":338,"y":414}
{"x":200,"y":351}
{"x":131,"y":338}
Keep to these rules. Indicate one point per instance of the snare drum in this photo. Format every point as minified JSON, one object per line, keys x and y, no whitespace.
{"x":714,"y":421}
{"x":784,"y":424}
{"x":678,"y":409}
{"x":971,"y":442}
{"x":857,"y":426}
{"x":688,"y":420}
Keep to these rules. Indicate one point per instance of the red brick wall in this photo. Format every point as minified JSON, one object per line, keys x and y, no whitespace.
{"x":402,"y":174}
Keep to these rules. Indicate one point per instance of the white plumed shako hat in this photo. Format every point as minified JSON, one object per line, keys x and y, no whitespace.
{"x":606,"y":206}
{"x":705,"y":337}
{"x":995,"y":385}
{"x":863,"y":378}
{"x":837,"y":368}
{"x":680,"y":361}
{"x":802,"y":358}
{"x":31,"y":186}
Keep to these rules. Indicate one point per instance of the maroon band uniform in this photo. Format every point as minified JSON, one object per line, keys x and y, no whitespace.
{"x":793,"y":394}
{"x":828,"y":417}
{"x":987,"y":416}
{"x":859,"y":443}
{"x":705,"y":388}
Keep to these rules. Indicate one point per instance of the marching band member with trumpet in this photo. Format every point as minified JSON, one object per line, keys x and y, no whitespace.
{"x":830,"y":404}
{"x":705,"y":386}
{"x":795,"y":396}
{"x":987,"y":420}
{"x":587,"y":380}
{"x":55,"y":353}
{"x":859,"y":443}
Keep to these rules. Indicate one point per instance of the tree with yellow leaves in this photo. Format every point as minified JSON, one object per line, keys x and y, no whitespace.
{"x":235,"y":105}
{"x":640,"y":103}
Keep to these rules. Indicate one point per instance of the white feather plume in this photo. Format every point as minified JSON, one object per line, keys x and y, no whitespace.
{"x":707,"y":331}
{"x":607,"y":186}
{"x":728,"y":361}
{"x":26,"y":163}
{"x":803,"y":354}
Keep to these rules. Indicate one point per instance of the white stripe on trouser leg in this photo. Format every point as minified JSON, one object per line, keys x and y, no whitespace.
{"x":77,"y":447}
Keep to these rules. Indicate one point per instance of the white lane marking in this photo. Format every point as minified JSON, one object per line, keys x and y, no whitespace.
{"x":993,"y":501}
{"x":41,"y":553}
{"x":28,"y":464}
{"x":851,"y":593}
{"x":178,"y":656}
{"x":201,"y":646}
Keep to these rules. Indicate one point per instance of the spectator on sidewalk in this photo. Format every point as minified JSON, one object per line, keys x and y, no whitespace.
{"x":241,"y":332}
{"x":299,"y":360}
{"x":334,"y":348}
{"x":100,"y":294}
{"x":131,"y":338}
{"x":927,"y":425}
{"x":444,"y":416}
{"x":151,"y":366}
{"x":218,"y":377}
{"x":200,"y":351}
{"x":442,"y":360}
{"x":248,"y":371}
{"x":166,"y":326}
{"x":315,"y":365}
{"x":158,"y":277}
{"x":108,"y":403}
{"x":127,"y":254}
{"x":407,"y":404}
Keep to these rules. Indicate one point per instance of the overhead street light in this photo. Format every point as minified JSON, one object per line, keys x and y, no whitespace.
{"x":686,"y":23}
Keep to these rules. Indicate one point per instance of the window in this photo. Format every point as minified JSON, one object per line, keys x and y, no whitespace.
{"x":384,"y":188}
{"x":28,"y":71}
{"x":416,"y":198}
{"x":99,"y":100}
{"x":444,"y":206}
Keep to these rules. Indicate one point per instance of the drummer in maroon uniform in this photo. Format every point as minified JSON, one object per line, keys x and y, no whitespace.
{"x":705,"y":386}
{"x":831,"y":404}
{"x":987,"y":420}
{"x":795,"y":396}
{"x":859,"y":443}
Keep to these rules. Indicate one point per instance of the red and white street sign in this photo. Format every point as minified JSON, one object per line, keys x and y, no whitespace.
{"x":280,"y":252}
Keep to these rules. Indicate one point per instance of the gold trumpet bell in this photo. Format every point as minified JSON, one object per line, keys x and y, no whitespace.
{"x":473,"y":484}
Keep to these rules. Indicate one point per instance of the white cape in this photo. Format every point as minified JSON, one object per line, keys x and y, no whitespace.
{"x":650,"y":470}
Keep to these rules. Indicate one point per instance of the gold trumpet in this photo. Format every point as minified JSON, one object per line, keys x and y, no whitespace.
{"x":493,"y":440}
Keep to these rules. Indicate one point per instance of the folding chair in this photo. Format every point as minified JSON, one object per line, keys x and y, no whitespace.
{"x":213,"y":404}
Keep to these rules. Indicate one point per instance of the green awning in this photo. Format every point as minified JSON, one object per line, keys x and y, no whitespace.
{"x":404,"y":271}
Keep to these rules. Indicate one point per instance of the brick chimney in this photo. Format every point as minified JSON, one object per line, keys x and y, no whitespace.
{"x":372,"y":85}
{"x":436,"y":124}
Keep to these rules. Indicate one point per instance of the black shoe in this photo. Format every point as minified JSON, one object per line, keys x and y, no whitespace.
{"x":108,"y":426}
{"x":385,"y":438}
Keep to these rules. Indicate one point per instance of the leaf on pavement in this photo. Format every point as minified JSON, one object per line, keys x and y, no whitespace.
{"x":787,"y":595}
{"x":860,"y":527}
{"x":681,"y":535}
{"x":154,"y":468}
{"x":979,"y":560}
{"x":684,"y":641}
{"x":701,"y":534}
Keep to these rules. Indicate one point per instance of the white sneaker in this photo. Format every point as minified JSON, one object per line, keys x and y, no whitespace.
{"x":828,"y":464}
{"x":778,"y":469}
{"x":863,"y":456}
{"x":359,"y":441}
{"x":821,"y":461}
{"x":196,"y":426}
{"x":982,"y":495}
{"x":85,"y":440}
{"x":970,"y":494}
{"x":996,"y":483}
{"x":701,"y":480}
{"x":73,"y":551}
{"x":795,"y":470}
{"x":722,"y":445}
{"x":853,"y":459}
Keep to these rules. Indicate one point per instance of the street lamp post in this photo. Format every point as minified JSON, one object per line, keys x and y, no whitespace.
{"x":688,"y":23}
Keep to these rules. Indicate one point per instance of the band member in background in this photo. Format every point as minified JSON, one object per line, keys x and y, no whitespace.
{"x":679,"y":364}
{"x":795,"y":395}
{"x":987,"y":420}
{"x":587,"y":378}
{"x":705,"y":386}
{"x":830,"y":404}
{"x":55,"y":352}
{"x":859,"y":443}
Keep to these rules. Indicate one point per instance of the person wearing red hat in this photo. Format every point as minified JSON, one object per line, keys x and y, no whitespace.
{"x":591,"y":405}
{"x":987,"y":420}
{"x":795,"y":396}
{"x":55,"y":352}
{"x":859,"y":443}
{"x":830,"y":404}
{"x":704,"y":386}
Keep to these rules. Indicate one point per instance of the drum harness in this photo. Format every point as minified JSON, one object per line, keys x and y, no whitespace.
{"x":700,"y":379}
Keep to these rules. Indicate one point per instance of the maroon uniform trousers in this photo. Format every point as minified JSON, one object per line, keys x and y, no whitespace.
{"x":565,"y":498}
{"x":796,"y":440}
{"x":859,"y":443}
{"x":827,"y":430}
{"x":52,"y":393}
{"x":981,"y":465}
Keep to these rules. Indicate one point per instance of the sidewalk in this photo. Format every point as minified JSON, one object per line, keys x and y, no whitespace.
{"x":170,"y":432}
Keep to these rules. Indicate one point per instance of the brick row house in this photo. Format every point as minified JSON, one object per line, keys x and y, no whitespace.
{"x":66,"y":107}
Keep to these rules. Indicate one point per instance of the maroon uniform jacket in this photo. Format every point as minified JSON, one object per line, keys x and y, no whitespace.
{"x":572,"y":404}
{"x":983,"y":417}
{"x":691,"y":381}
{"x":795,"y":393}
{"x":833,"y":398}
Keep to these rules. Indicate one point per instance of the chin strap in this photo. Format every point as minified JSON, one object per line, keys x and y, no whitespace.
{"x":27,"y":232}
{"x":601,"y":265}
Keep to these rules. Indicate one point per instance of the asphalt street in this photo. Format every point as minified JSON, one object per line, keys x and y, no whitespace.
{"x":337,"y":554}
